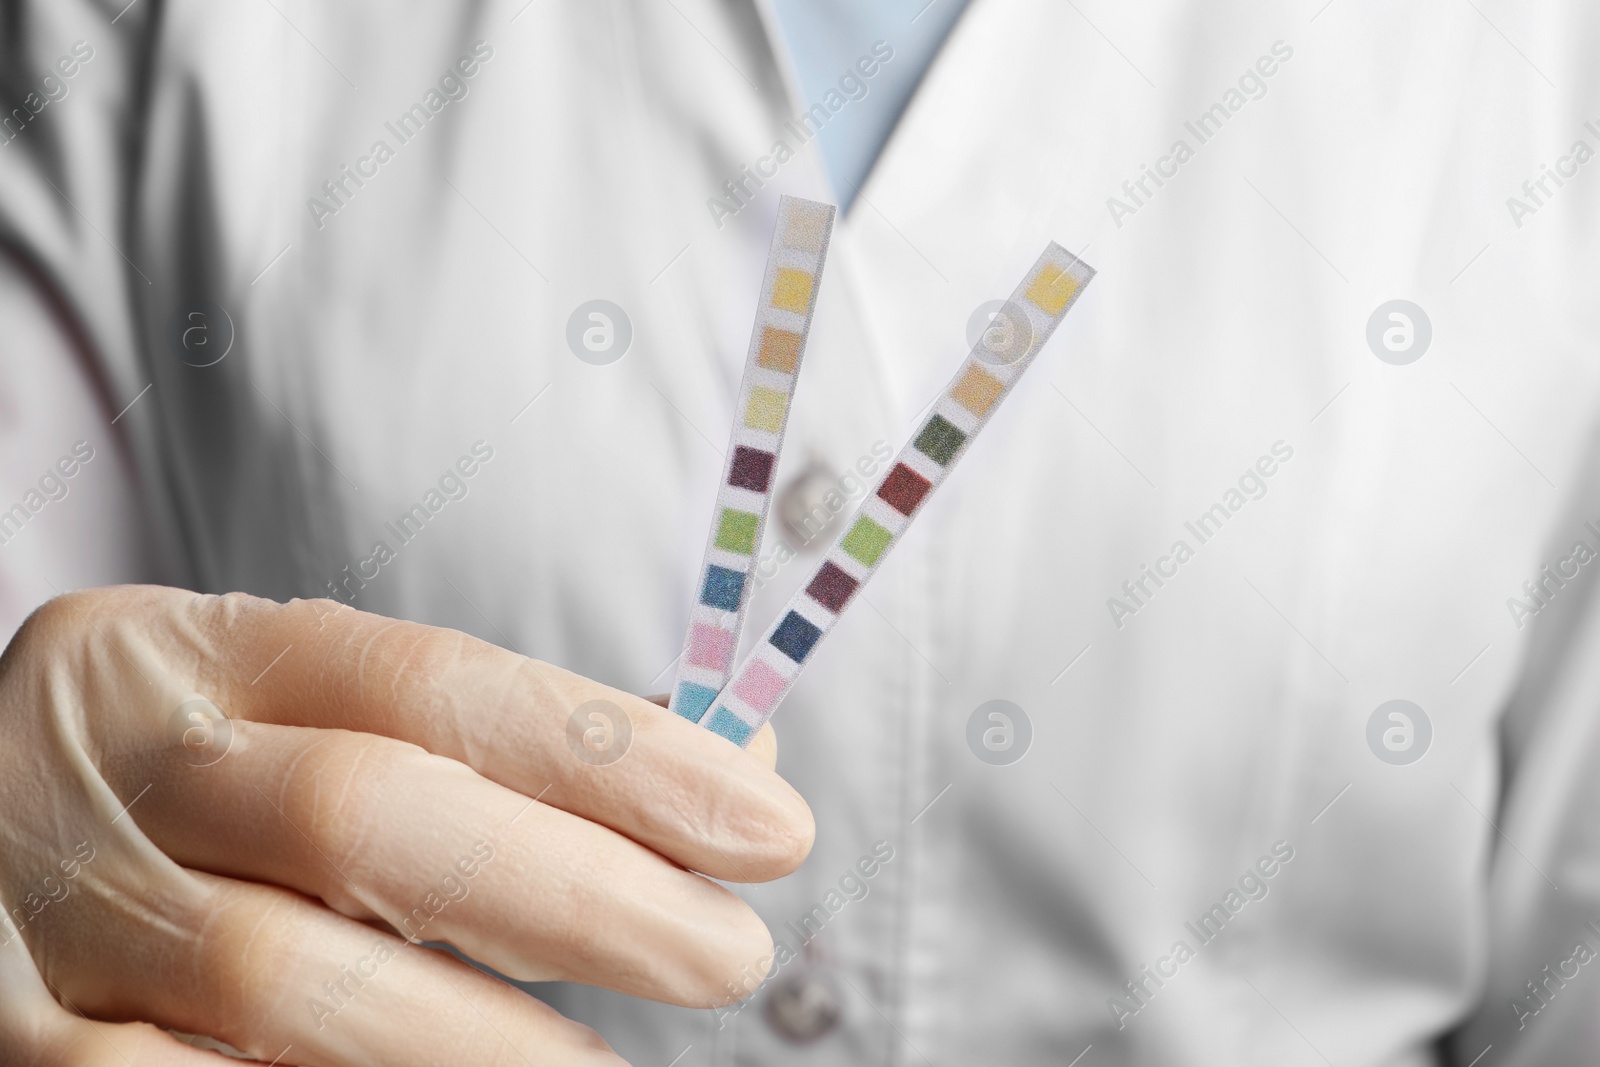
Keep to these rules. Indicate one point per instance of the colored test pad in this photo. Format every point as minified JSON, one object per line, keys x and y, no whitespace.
{"x":1024,"y":324}
{"x":772,"y":365}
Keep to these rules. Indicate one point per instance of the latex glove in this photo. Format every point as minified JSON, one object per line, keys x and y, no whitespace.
{"x":240,"y":878}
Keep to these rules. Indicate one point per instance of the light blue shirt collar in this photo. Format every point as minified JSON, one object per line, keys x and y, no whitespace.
{"x":832,"y":45}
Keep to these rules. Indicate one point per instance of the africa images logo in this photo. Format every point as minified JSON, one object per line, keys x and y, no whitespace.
{"x":853,"y":86}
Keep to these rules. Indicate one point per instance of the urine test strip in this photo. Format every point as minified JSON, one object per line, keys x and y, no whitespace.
{"x":1011,"y":342}
{"x":772,"y":365}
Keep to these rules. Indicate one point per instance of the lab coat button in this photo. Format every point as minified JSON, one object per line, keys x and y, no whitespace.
{"x":803,"y":1007}
{"x":808,"y":507}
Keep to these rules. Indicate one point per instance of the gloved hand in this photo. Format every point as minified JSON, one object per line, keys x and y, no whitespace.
{"x":242,"y":877}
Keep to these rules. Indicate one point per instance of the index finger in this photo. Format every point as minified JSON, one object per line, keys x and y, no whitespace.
{"x":672,"y":786}
{"x":763,"y":746}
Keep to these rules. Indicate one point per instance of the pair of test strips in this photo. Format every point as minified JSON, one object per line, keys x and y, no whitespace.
{"x":736,"y":701}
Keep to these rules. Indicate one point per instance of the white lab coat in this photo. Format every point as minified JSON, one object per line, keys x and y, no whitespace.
{"x":1172,"y":748}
